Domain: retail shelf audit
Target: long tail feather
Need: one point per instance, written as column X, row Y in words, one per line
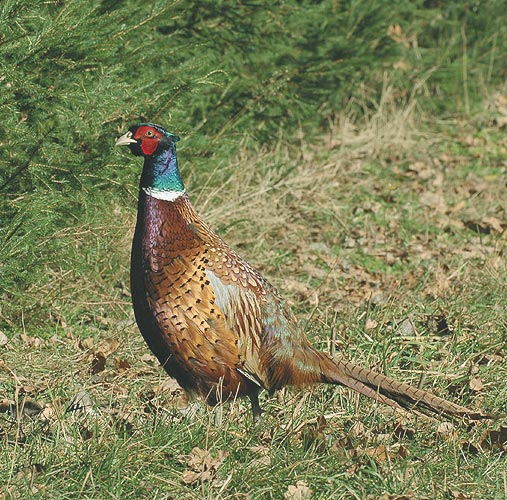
column 389, row 391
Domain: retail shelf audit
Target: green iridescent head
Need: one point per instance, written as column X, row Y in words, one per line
column 158, row 146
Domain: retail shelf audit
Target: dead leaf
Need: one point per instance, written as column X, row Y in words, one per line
column 3, row 339
column 406, row 328
column 266, row 436
column 501, row 103
column 436, row 201
column 494, row 439
column 458, row 495
column 297, row 287
column 395, row 31
column 202, row 465
column 263, row 456
column 169, row 385
column 422, row 169
column 98, row 363
column 378, row 453
column 48, row 414
column 494, row 223
column 31, row 341
column 485, row 226
column 379, row 299
column 344, row 447
column 446, row 430
column 475, row 384
column 6, row 405
column 491, row 359
column 108, row 346
column 501, row 121
column 191, row 477
column 402, row 431
column 312, row 434
column 299, row 491
column 81, row 402
column 203, row 459
column 29, row 472
column 403, row 65
column 26, row 388
column 382, row 453
column 442, row 326
column 85, row 344
column 370, row 324
column 401, row 452
column 388, row 496
column 148, row 359
column 122, row 364
column 357, row 429
column 177, row 396
column 439, row 286
column 458, row 207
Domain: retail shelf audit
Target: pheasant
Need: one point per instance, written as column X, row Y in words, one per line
column 214, row 323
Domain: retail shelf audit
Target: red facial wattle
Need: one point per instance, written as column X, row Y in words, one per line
column 149, row 139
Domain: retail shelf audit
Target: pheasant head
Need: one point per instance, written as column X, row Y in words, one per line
column 160, row 177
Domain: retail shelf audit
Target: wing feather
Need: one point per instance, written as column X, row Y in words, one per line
column 242, row 312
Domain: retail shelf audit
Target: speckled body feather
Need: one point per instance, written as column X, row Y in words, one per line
column 214, row 323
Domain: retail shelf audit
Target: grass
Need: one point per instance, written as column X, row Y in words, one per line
column 389, row 233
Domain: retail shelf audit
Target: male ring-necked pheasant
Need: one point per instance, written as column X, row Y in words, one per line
column 214, row 323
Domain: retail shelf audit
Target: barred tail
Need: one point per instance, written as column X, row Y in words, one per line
column 389, row 391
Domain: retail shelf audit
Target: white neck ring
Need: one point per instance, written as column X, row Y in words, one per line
column 163, row 194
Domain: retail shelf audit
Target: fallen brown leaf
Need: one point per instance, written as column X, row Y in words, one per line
column 85, row 344
column 388, row 496
column 458, row 495
column 447, row 430
column 478, row 226
column 3, row 339
column 402, row 431
column 475, row 384
column 494, row 439
column 30, row 471
column 357, row 429
column 30, row 341
column 422, row 169
column 202, row 465
column 81, row 402
column 312, row 434
column 378, row 453
column 169, row 391
column 48, row 414
column 169, row 385
column 435, row 201
column 440, row 285
column 406, row 328
column 370, row 324
column 122, row 364
column 6, row 405
column 382, row 453
column 263, row 456
column 98, row 363
column 299, row 491
column 148, row 359
column 108, row 346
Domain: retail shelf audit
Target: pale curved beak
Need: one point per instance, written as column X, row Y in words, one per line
column 125, row 139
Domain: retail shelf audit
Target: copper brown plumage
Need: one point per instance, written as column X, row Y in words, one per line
column 214, row 323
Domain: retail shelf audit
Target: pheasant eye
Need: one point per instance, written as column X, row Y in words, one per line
column 149, row 133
